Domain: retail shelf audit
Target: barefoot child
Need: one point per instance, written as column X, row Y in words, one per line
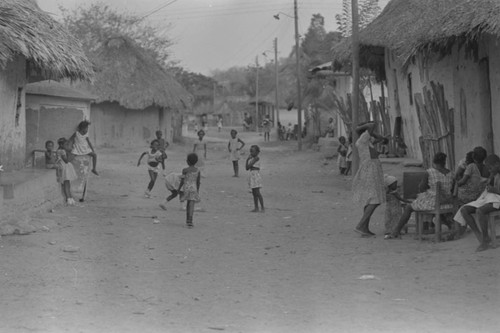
column 155, row 156
column 65, row 172
column 191, row 181
column 172, row 182
column 50, row 155
column 255, row 180
column 200, row 148
column 234, row 146
column 393, row 208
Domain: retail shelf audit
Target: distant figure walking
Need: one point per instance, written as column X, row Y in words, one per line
column 191, row 182
column 234, row 147
column 254, row 179
column 65, row 172
column 200, row 148
column 155, row 157
column 219, row 124
column 266, row 125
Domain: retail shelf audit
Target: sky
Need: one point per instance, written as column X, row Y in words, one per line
column 219, row 34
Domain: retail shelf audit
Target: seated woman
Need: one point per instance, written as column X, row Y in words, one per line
column 426, row 200
column 471, row 184
column 488, row 201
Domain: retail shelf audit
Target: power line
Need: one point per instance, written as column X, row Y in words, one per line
column 156, row 10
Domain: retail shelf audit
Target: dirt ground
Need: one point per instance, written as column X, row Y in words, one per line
column 107, row 266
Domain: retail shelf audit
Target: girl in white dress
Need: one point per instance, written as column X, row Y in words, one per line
column 65, row 172
column 200, row 148
column 234, row 146
column 254, row 179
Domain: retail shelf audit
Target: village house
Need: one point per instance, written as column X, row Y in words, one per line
column 440, row 59
column 53, row 110
column 135, row 97
column 33, row 47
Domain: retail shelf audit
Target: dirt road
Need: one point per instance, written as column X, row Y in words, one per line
column 106, row 266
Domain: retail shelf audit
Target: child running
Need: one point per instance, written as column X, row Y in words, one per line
column 255, row 180
column 155, row 156
column 172, row 182
column 234, row 146
column 191, row 181
column 341, row 159
column 65, row 172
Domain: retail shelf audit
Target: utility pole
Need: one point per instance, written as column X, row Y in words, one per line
column 257, row 93
column 355, row 83
column 299, row 100
column 276, row 102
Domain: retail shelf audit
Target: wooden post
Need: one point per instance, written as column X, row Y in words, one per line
column 355, row 83
column 299, row 100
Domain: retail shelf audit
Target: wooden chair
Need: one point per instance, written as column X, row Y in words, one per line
column 441, row 206
column 493, row 219
column 411, row 185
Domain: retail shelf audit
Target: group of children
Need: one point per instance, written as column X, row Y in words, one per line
column 186, row 185
column 60, row 159
column 476, row 188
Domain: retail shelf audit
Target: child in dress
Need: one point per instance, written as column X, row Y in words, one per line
column 191, row 181
column 155, row 156
column 50, row 155
column 393, row 208
column 341, row 159
column 255, row 180
column 172, row 182
column 234, row 146
column 488, row 202
column 462, row 165
column 200, row 148
column 81, row 145
column 65, row 172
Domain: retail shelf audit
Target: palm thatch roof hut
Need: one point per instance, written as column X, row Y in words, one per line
column 50, row 50
column 135, row 96
column 402, row 27
column 130, row 76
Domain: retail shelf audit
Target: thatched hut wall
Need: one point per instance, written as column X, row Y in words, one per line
column 116, row 126
column 12, row 114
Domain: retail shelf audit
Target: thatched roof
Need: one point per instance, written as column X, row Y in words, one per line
column 464, row 23
column 51, row 51
column 127, row 74
column 402, row 26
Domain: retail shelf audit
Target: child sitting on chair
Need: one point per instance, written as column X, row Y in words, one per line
column 394, row 207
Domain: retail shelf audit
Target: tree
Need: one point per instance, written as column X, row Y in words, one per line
column 94, row 24
column 199, row 85
column 368, row 10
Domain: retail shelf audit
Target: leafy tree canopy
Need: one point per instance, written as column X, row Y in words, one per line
column 96, row 23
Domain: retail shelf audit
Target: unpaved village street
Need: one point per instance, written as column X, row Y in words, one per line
column 108, row 266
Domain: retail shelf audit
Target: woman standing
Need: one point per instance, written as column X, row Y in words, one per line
column 368, row 183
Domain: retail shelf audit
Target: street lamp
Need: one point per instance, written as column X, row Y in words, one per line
column 299, row 99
